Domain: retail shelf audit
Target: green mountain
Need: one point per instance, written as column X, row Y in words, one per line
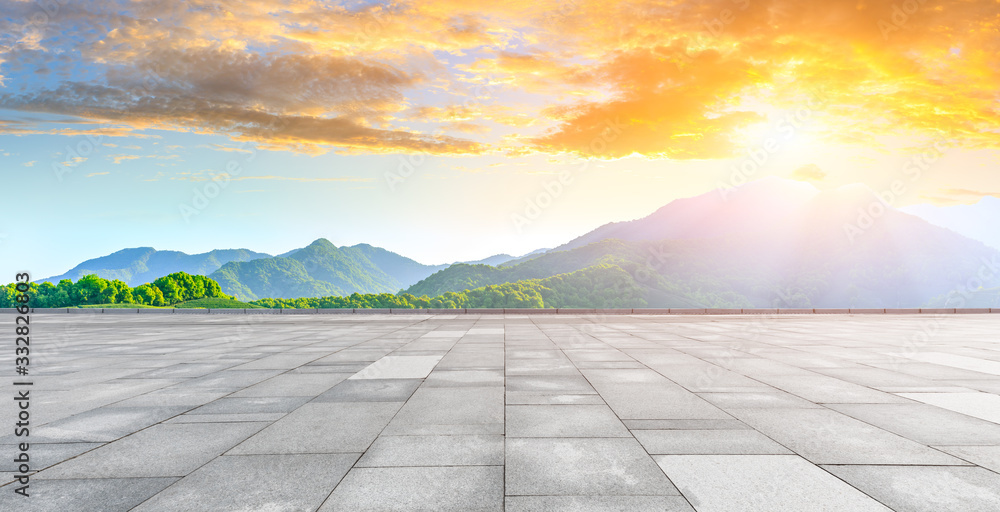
column 145, row 264
column 321, row 269
column 827, row 250
column 595, row 286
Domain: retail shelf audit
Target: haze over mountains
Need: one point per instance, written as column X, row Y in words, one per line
column 769, row 243
column 835, row 248
column 142, row 265
column 980, row 221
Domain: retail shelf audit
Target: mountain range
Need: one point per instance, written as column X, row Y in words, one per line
column 319, row 269
column 142, row 265
column 808, row 248
column 768, row 243
column 980, row 221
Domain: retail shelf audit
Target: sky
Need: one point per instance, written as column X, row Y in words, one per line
column 452, row 130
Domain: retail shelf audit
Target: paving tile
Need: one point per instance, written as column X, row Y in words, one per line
column 761, row 483
column 345, row 427
column 459, row 489
column 370, row 390
column 756, row 400
column 827, row 390
column 541, row 398
column 975, row 364
column 985, row 456
column 926, row 488
column 978, row 405
column 267, row 417
column 276, row 421
column 293, row 384
column 176, row 449
column 924, row 423
column 43, row 455
column 564, row 384
column 456, row 450
column 464, row 378
column 708, row 442
column 438, row 410
column 255, row 482
column 563, row 421
column 582, row 467
column 647, row 395
column 104, row 494
column 729, row 424
column 101, row 425
column 596, row 504
column 252, row 405
column 399, row 367
column 828, row 437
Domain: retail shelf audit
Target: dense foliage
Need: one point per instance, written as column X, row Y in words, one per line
column 92, row 289
column 321, row 269
column 597, row 286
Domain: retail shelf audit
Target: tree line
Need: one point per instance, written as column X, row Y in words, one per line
column 92, row 289
column 597, row 286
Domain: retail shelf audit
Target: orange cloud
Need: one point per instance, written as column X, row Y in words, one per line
column 676, row 79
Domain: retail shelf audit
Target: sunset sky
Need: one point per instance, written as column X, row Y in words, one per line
column 427, row 128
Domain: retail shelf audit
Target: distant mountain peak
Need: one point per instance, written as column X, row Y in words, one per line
column 322, row 242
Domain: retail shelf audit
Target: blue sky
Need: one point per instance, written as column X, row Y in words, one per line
column 116, row 114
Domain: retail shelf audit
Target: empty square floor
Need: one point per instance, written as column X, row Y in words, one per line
column 490, row 412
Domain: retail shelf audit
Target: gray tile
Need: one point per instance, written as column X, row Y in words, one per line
column 756, row 400
column 294, row 384
column 255, row 482
column 370, row 390
column 730, row 424
column 345, row 427
column 979, row 405
column 926, row 488
column 828, row 437
column 104, row 494
column 924, row 423
column 399, row 367
column 158, row 451
column 457, row 450
column 647, row 395
column 761, row 483
column 464, row 378
column 43, row 455
column 253, row 405
column 563, row 421
column 582, row 467
column 268, row 417
column 596, row 504
column 459, row 489
column 539, row 398
column 438, row 410
column 103, row 424
column 985, row 456
column 708, row 442
column 827, row 390
column 561, row 384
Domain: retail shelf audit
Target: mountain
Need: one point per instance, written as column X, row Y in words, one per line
column 520, row 259
column 319, row 269
column 145, row 264
column 495, row 260
column 270, row 277
column 834, row 248
column 977, row 221
column 764, row 202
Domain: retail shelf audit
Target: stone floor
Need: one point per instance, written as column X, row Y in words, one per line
column 523, row 413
